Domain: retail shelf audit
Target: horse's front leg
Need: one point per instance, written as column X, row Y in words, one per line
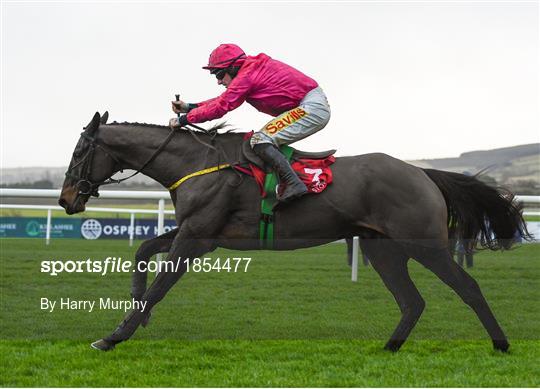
column 182, row 248
column 159, row 244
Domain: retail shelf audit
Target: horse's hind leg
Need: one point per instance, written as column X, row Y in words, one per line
column 390, row 262
column 440, row 262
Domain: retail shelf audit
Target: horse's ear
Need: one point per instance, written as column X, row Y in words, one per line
column 94, row 124
column 104, row 118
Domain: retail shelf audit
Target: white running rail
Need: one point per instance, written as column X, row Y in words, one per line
column 161, row 196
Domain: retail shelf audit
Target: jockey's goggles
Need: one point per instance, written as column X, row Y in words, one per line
column 220, row 73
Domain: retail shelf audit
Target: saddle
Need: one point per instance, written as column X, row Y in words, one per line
column 248, row 155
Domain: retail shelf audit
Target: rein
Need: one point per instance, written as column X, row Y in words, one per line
column 85, row 186
column 219, row 167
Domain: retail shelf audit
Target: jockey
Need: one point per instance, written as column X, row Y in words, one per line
column 296, row 101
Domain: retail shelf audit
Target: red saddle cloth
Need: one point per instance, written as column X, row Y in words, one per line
column 315, row 173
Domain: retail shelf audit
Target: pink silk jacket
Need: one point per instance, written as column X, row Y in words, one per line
column 268, row 85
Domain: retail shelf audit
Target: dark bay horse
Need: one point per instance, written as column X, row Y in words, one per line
column 399, row 211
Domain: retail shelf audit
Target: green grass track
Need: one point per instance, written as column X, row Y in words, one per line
column 286, row 363
column 294, row 319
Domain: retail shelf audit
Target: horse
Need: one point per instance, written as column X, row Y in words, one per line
column 398, row 211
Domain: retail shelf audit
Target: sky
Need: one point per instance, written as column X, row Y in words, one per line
column 411, row 79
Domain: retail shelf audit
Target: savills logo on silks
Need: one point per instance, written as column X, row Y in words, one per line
column 285, row 120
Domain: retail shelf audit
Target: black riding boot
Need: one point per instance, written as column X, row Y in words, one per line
column 271, row 155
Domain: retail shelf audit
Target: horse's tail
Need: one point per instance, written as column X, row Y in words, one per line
column 479, row 212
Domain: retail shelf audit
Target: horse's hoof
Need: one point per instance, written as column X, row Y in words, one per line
column 501, row 345
column 393, row 345
column 102, row 345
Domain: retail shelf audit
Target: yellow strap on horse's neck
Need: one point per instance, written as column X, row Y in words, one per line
column 199, row 173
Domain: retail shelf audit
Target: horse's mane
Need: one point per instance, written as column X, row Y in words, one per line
column 136, row 124
column 214, row 128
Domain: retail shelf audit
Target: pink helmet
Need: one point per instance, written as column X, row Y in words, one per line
column 224, row 56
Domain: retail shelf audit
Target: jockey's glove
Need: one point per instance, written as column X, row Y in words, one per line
column 182, row 107
column 178, row 121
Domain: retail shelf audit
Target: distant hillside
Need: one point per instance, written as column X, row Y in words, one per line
column 509, row 166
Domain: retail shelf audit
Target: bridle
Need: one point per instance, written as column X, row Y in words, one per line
column 85, row 186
